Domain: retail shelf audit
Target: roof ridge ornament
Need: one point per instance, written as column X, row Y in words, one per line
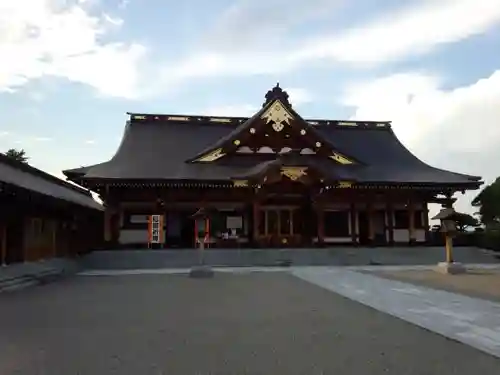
column 277, row 93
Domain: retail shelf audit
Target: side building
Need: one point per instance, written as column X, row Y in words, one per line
column 42, row 216
column 270, row 180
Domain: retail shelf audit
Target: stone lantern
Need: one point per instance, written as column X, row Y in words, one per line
column 447, row 217
column 201, row 237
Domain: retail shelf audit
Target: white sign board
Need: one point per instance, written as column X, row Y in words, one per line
column 234, row 222
column 155, row 229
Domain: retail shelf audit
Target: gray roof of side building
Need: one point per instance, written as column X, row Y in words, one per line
column 158, row 150
column 25, row 176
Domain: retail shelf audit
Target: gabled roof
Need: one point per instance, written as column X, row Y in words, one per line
column 159, row 147
column 276, row 116
column 25, row 176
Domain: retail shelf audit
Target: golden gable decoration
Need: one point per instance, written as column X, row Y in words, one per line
column 340, row 158
column 293, row 173
column 214, row 155
column 278, row 114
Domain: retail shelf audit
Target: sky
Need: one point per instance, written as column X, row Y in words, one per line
column 71, row 69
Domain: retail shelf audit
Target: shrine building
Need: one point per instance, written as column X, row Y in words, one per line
column 272, row 180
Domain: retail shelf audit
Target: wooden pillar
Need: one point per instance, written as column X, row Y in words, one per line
column 353, row 220
column 371, row 224
column 425, row 213
column 26, row 245
column 411, row 217
column 320, row 214
column 108, row 215
column 111, row 225
column 256, row 219
column 53, row 225
column 390, row 222
column 3, row 243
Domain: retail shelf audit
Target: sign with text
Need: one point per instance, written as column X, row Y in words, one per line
column 155, row 229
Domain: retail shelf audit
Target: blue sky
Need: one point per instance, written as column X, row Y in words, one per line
column 71, row 69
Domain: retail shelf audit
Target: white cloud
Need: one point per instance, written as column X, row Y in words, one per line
column 451, row 129
column 400, row 96
column 410, row 31
column 4, row 134
column 36, row 96
column 123, row 4
column 90, row 142
column 261, row 25
column 232, row 50
column 63, row 39
column 42, row 139
column 112, row 20
column 298, row 96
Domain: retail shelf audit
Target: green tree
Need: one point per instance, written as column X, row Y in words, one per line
column 19, row 155
column 488, row 202
column 464, row 221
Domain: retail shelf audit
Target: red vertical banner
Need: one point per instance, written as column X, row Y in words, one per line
column 162, row 230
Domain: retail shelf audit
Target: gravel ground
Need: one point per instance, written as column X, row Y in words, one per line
column 477, row 283
column 234, row 324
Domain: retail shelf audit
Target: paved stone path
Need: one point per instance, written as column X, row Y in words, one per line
column 469, row 320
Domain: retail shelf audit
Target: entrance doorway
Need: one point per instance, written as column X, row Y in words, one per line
column 280, row 226
column 363, row 227
column 186, row 230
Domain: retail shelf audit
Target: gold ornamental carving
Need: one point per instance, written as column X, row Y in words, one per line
column 340, row 158
column 293, row 173
column 212, row 156
column 278, row 114
column 345, row 184
column 240, row 183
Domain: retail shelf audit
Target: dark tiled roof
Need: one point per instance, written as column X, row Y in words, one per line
column 30, row 178
column 159, row 150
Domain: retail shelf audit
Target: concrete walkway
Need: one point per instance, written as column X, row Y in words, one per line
column 22, row 275
column 170, row 271
column 335, row 256
column 469, row 320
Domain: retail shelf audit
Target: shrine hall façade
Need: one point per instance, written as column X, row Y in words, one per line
column 271, row 180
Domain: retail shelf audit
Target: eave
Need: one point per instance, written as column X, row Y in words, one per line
column 241, row 181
